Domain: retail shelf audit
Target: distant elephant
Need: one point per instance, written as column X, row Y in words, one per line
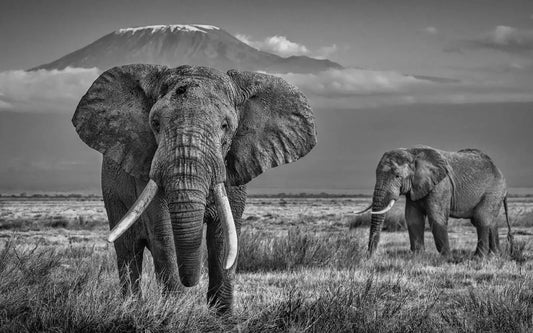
column 186, row 135
column 438, row 184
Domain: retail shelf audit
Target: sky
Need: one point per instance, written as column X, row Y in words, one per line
column 476, row 52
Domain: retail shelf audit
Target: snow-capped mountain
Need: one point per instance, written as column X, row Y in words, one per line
column 175, row 45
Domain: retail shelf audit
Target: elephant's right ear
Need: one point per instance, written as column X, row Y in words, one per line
column 430, row 169
column 112, row 117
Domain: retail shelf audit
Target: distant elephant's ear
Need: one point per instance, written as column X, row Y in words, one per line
column 430, row 169
column 276, row 126
column 112, row 117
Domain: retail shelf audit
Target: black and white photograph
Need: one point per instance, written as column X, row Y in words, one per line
column 266, row 166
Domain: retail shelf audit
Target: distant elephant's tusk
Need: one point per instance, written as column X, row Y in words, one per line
column 386, row 209
column 364, row 210
column 228, row 224
column 134, row 212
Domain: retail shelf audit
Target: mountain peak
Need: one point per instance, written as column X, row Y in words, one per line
column 203, row 28
column 179, row 44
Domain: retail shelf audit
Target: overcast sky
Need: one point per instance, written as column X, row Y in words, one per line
column 417, row 36
column 484, row 46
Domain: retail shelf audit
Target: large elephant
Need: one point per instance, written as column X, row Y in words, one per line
column 439, row 184
column 174, row 140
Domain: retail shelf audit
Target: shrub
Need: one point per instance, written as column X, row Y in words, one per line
column 394, row 221
column 261, row 251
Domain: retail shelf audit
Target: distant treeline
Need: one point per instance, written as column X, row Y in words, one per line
column 74, row 196
column 310, row 195
column 44, row 196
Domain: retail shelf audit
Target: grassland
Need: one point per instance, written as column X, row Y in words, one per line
column 302, row 267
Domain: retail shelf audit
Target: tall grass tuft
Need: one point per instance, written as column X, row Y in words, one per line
column 260, row 251
column 394, row 221
column 38, row 293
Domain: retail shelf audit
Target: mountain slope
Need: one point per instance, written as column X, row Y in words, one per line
column 175, row 45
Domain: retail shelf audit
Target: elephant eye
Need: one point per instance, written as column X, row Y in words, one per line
column 163, row 91
column 155, row 125
column 180, row 90
column 224, row 126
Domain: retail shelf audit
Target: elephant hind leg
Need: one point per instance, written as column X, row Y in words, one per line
column 494, row 239
column 439, row 228
column 483, row 234
column 485, row 221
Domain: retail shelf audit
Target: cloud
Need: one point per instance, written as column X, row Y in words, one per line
column 503, row 38
column 358, row 88
column 431, row 30
column 44, row 91
column 353, row 82
column 282, row 46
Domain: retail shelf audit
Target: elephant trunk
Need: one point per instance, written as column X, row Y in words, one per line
column 378, row 203
column 187, row 180
column 187, row 207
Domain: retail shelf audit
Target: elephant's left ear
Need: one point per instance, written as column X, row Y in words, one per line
column 430, row 169
column 276, row 126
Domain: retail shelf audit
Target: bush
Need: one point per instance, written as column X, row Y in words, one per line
column 260, row 251
column 394, row 221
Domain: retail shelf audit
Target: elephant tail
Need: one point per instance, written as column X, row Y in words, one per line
column 509, row 232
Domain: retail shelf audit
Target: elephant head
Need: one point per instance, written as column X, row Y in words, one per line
column 412, row 172
column 188, row 131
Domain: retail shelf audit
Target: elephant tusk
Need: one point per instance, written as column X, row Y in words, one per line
column 228, row 225
column 134, row 212
column 364, row 210
column 386, row 209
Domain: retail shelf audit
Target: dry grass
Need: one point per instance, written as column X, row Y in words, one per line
column 303, row 270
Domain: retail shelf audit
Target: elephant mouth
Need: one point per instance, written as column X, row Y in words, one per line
column 223, row 208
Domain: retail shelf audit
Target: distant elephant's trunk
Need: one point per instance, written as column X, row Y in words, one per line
column 377, row 219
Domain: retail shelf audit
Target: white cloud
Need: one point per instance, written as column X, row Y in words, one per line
column 326, row 51
column 353, row 82
column 431, row 30
column 358, row 88
column 44, row 91
column 505, row 38
column 282, row 46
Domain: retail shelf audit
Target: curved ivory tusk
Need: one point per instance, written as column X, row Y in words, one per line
column 134, row 212
column 386, row 209
column 364, row 210
column 228, row 225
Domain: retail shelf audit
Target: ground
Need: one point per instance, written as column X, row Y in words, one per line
column 301, row 268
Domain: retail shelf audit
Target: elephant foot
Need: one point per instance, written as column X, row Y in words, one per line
column 418, row 249
column 480, row 254
column 221, row 308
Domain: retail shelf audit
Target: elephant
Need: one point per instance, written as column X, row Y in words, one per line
column 439, row 184
column 179, row 146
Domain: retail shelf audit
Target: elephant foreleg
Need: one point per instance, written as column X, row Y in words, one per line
column 415, row 220
column 161, row 244
column 129, row 247
column 130, row 261
column 220, row 291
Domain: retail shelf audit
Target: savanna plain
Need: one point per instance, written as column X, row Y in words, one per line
column 302, row 266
